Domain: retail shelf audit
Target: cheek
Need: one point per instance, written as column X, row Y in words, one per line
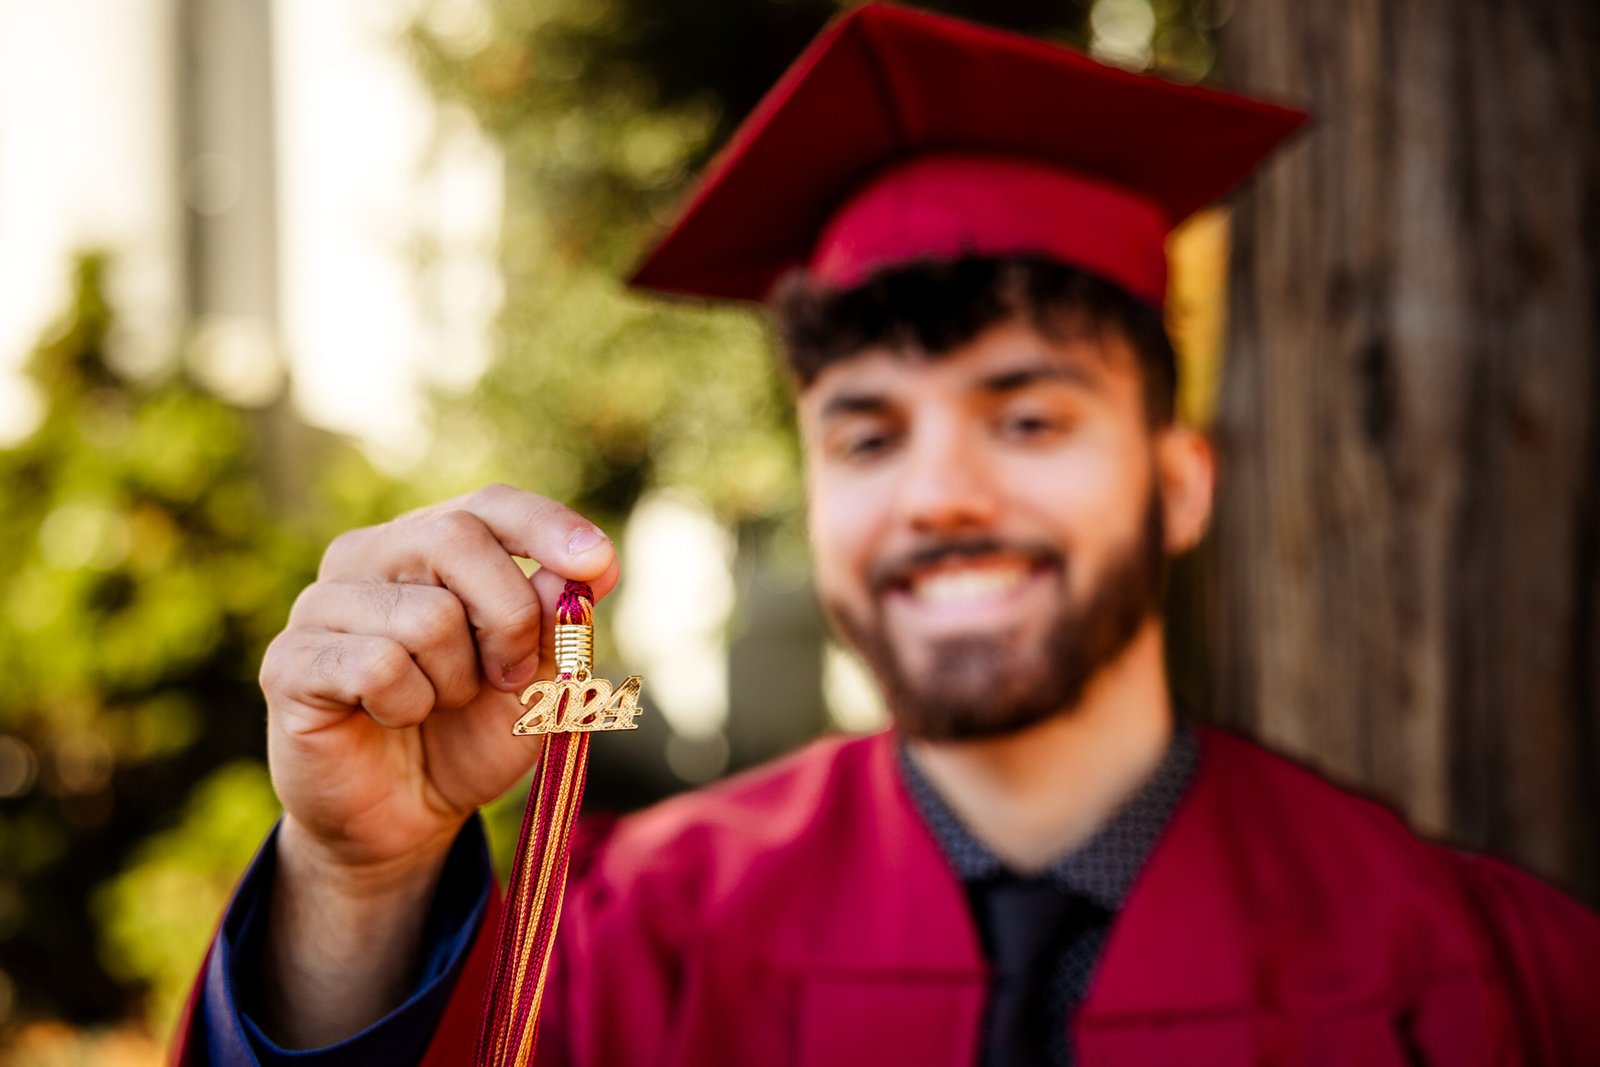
column 1091, row 494
column 1088, row 476
column 842, row 519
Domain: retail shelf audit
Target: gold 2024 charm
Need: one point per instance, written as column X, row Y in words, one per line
column 568, row 706
column 576, row 702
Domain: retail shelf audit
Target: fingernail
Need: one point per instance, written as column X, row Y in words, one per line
column 584, row 540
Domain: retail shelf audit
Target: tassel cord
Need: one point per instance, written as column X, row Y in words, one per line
column 538, row 883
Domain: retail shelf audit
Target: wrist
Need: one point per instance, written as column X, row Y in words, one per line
column 332, row 870
column 344, row 936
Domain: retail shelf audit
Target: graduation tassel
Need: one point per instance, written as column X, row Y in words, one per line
column 567, row 710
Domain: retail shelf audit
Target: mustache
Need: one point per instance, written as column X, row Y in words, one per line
column 897, row 570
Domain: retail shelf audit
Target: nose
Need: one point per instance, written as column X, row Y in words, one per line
column 946, row 485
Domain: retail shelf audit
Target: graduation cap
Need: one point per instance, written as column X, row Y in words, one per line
column 899, row 135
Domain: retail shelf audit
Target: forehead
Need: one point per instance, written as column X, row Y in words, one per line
column 1093, row 360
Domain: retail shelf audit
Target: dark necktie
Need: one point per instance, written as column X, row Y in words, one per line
column 1024, row 923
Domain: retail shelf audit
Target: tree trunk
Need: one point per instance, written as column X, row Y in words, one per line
column 1407, row 550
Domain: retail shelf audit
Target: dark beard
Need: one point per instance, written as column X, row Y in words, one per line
column 989, row 687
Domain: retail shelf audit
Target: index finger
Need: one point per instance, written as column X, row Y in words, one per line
column 466, row 545
column 538, row 528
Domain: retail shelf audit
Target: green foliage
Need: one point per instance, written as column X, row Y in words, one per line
column 147, row 566
column 598, row 394
column 148, row 913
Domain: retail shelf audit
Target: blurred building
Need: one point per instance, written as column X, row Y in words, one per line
column 276, row 188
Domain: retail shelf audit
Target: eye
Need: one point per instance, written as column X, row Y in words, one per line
column 866, row 444
column 1032, row 425
column 860, row 441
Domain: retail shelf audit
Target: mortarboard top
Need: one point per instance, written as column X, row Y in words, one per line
column 899, row 135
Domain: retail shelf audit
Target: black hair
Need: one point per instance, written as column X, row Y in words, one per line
column 931, row 307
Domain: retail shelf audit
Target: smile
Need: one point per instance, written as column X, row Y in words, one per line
column 968, row 584
column 967, row 594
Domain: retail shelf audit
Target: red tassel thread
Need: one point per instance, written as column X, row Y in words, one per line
column 538, row 882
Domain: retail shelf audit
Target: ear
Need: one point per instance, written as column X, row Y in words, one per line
column 1186, row 473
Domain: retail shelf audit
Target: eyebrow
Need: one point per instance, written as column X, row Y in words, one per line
column 1008, row 381
column 855, row 404
column 1013, row 380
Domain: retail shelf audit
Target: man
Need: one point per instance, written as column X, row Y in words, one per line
column 1040, row 863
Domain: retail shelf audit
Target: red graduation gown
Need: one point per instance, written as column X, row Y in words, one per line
column 802, row 915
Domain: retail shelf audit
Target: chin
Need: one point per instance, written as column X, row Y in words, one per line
column 974, row 688
column 955, row 686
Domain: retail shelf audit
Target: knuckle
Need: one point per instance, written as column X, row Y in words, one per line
column 459, row 684
column 542, row 511
column 531, row 508
column 274, row 669
column 437, row 619
column 455, row 526
column 415, row 706
column 384, row 668
column 304, row 605
column 521, row 615
column 328, row 661
column 383, row 598
column 344, row 550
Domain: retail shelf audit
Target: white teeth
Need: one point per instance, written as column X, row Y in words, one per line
column 966, row 585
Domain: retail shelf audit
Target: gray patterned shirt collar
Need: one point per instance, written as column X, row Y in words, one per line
column 1104, row 867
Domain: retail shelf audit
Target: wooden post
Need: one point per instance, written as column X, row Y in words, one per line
column 1407, row 553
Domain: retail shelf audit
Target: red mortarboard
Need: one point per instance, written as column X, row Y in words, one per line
column 899, row 135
